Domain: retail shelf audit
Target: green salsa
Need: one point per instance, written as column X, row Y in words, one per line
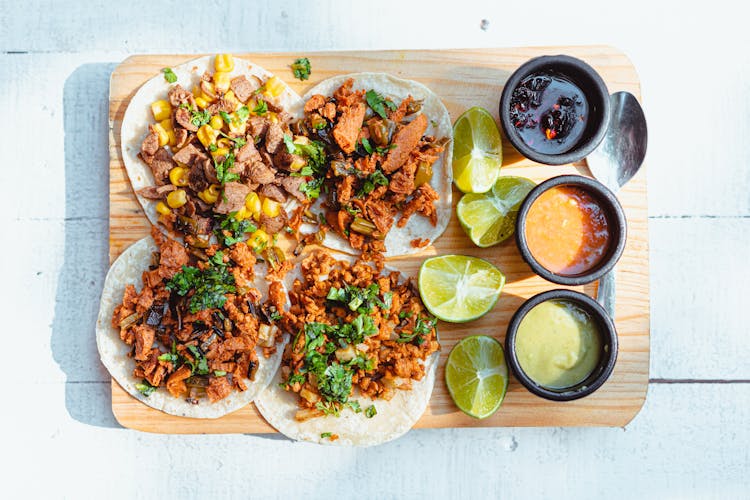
column 558, row 344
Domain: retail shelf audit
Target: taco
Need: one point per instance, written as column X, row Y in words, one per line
column 188, row 332
column 209, row 148
column 361, row 367
column 388, row 141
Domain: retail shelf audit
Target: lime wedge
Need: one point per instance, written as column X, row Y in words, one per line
column 490, row 218
column 458, row 288
column 477, row 151
column 477, row 376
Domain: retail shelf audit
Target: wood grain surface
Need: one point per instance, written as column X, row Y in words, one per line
column 462, row 78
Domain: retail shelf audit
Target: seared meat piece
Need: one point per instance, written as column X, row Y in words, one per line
column 405, row 140
column 189, row 154
column 144, row 340
column 423, row 203
column 161, row 165
column 197, row 178
column 248, row 153
column 274, row 137
column 178, row 96
column 257, row 126
column 315, row 103
column 259, row 173
column 291, row 185
column 283, row 159
column 274, row 192
column 209, row 170
column 182, row 137
column 182, row 117
column 156, row 192
column 243, row 88
column 380, row 215
column 272, row 224
column 220, row 105
column 232, row 199
column 346, row 130
column 218, row 388
column 150, row 144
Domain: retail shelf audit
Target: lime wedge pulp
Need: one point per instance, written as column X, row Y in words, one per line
column 477, row 151
column 459, row 288
column 477, row 375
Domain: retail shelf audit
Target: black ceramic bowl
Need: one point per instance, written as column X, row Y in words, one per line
column 594, row 90
column 616, row 225
column 607, row 355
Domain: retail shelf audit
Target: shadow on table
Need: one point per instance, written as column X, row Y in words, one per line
column 85, row 120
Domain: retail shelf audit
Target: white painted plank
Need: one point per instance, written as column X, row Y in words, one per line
column 688, row 442
column 699, row 277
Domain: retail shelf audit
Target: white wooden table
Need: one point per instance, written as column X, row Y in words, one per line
column 59, row 438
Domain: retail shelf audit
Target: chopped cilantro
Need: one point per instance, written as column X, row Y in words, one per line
column 208, row 285
column 320, row 125
column 405, row 314
column 360, row 299
column 422, row 327
column 301, row 68
column 312, row 188
column 231, row 230
column 261, row 108
column 169, row 75
column 169, row 357
column 378, row 103
column 294, row 378
column 145, row 388
column 336, row 383
column 225, row 116
column 371, row 411
column 328, row 408
column 366, row 145
column 243, row 113
column 324, row 435
column 276, row 316
column 220, row 373
column 223, row 170
column 354, row 405
column 199, row 118
column 377, row 178
column 212, row 147
column 200, row 364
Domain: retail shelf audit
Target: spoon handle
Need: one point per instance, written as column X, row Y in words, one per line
column 605, row 294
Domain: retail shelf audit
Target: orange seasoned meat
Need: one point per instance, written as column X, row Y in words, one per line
column 405, row 140
column 347, row 128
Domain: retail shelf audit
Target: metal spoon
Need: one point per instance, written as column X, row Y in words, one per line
column 615, row 161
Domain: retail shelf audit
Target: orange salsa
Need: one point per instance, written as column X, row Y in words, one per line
column 566, row 230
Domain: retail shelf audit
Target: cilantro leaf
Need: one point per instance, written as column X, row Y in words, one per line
column 354, row 405
column 243, row 113
column 199, row 118
column 336, row 383
column 422, row 327
column 366, row 145
column 225, row 116
column 169, row 75
column 324, row 435
column 231, row 230
column 312, row 188
column 223, row 170
column 301, row 68
column 209, row 285
column 377, row 178
column 371, row 411
column 378, row 103
column 261, row 108
column 200, row 365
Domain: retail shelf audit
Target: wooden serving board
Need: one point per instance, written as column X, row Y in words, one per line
column 462, row 78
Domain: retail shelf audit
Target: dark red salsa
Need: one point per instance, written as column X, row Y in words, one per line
column 549, row 113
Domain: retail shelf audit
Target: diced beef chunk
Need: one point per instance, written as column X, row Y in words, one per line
column 197, row 178
column 182, row 117
column 291, row 185
column 209, row 170
column 189, row 154
column 272, row 224
column 274, row 137
column 346, row 130
column 161, row 165
column 178, row 96
column 405, row 140
column 283, row 159
column 274, row 192
column 248, row 153
column 220, row 105
column 257, row 126
column 380, row 215
column 259, row 173
column 144, row 339
column 243, row 88
column 150, row 144
column 233, row 198
column 156, row 192
column 182, row 136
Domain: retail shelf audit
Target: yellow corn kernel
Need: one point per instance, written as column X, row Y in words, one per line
column 177, row 198
column 216, row 122
column 172, row 137
column 179, row 176
column 252, row 202
column 221, row 81
column 161, row 109
column 207, row 135
column 297, row 163
column 274, row 87
column 273, row 117
column 208, row 92
column 232, row 99
column 196, row 91
column 258, row 240
column 163, row 135
column 236, row 126
column 270, row 207
column 220, row 152
column 242, row 214
column 201, row 102
column 162, row 208
column 224, row 62
column 210, row 195
column 167, row 124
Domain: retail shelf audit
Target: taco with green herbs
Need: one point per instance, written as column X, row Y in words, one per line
column 361, row 366
column 193, row 333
